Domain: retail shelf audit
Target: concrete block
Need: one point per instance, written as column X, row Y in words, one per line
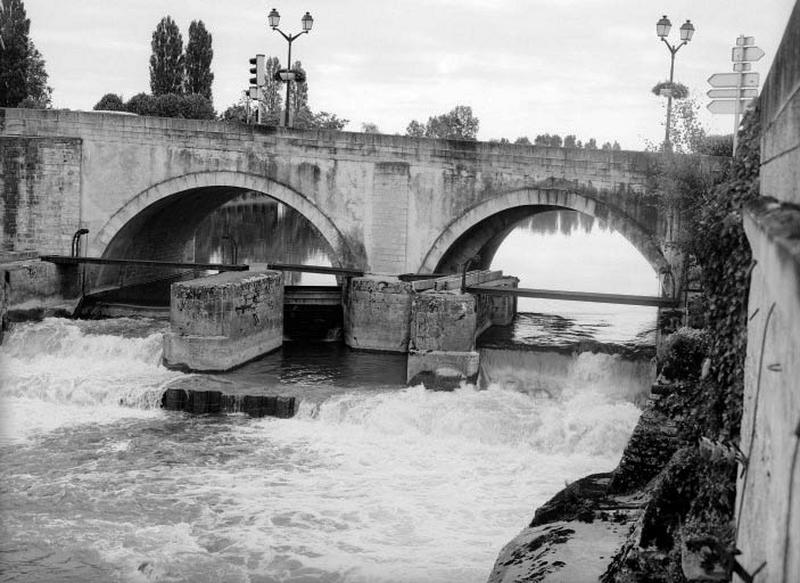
column 218, row 402
column 442, row 322
column 223, row 321
column 442, row 370
column 377, row 312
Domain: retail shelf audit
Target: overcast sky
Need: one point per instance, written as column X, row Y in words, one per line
column 524, row 66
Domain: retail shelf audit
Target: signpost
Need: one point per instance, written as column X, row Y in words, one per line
column 732, row 93
column 735, row 90
column 734, row 79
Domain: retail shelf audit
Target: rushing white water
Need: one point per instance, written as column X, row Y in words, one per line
column 366, row 484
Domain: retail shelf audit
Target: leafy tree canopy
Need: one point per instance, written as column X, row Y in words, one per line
column 23, row 79
column 166, row 60
column 110, row 102
column 457, row 124
column 198, row 60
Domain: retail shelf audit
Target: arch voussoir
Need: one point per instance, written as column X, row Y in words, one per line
column 545, row 197
column 230, row 179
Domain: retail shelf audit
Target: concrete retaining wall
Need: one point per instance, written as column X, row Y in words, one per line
column 223, row 321
column 768, row 492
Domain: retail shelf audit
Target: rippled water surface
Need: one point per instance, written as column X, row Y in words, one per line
column 371, row 481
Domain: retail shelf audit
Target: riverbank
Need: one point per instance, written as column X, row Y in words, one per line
column 661, row 515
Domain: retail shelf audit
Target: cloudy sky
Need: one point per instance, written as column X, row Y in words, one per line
column 524, row 66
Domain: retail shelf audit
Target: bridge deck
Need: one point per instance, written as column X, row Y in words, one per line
column 573, row 296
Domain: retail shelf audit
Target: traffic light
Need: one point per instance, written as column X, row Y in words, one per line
column 259, row 70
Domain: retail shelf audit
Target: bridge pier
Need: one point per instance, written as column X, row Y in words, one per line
column 429, row 319
column 223, row 321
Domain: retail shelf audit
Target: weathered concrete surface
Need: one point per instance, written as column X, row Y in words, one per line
column 376, row 314
column 571, row 538
column 33, row 289
column 225, row 320
column 768, row 492
column 385, row 204
column 442, row 339
column 445, row 321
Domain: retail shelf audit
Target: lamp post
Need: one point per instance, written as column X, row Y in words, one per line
column 662, row 30
column 274, row 19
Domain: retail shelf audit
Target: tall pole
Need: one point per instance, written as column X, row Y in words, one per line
column 288, row 81
column 274, row 19
column 667, row 144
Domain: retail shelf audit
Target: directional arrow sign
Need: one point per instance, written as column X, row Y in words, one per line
column 731, row 93
column 727, row 105
column 739, row 54
column 732, row 79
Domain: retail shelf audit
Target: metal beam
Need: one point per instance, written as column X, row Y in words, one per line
column 573, row 296
column 66, row 260
column 315, row 269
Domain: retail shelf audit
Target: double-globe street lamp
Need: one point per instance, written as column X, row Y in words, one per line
column 662, row 30
column 287, row 75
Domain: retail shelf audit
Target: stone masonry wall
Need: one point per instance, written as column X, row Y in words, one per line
column 768, row 491
column 40, row 180
column 382, row 201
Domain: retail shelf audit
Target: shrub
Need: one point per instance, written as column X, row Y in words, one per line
column 110, row 102
column 196, row 106
column 142, row 104
column 681, row 354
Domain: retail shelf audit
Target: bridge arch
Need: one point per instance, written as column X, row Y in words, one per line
column 226, row 185
column 482, row 227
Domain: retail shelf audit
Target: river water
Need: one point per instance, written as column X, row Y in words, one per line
column 370, row 481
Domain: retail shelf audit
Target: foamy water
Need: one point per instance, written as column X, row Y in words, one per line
column 368, row 484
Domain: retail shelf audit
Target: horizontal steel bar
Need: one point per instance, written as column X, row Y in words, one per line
column 315, row 269
column 573, row 296
column 67, row 260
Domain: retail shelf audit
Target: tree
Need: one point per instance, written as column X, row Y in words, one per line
column 110, row 102
column 554, row 141
column 327, row 121
column 198, row 60
column 522, row 141
column 22, row 73
column 591, row 144
column 142, row 104
column 272, row 92
column 166, row 61
column 39, row 93
column 239, row 111
column 298, row 97
column 686, row 134
column 571, row 141
column 415, row 129
column 457, row 124
column 370, row 128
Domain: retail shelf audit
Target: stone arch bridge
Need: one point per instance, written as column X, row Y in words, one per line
column 385, row 204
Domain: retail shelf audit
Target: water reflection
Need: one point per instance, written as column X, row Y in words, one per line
column 259, row 229
column 569, row 250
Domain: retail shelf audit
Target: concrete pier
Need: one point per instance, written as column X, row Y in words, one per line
column 377, row 312
column 429, row 319
column 223, row 321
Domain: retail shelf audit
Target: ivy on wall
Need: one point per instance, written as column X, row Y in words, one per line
column 718, row 243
